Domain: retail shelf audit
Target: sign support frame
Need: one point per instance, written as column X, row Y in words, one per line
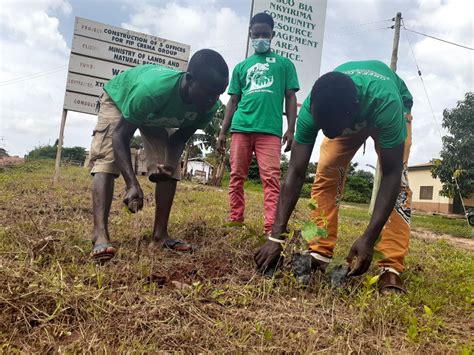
column 59, row 148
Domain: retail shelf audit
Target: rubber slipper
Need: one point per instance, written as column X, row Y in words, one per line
column 103, row 252
column 177, row 245
column 390, row 282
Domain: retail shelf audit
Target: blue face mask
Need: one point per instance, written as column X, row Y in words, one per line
column 261, row 45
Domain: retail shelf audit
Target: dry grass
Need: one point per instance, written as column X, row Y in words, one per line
column 53, row 299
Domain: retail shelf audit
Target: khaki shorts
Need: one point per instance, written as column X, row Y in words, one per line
column 155, row 142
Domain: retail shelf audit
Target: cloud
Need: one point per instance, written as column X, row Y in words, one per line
column 29, row 23
column 447, row 71
column 201, row 24
column 30, row 44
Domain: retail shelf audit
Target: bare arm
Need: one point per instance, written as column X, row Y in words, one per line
column 360, row 255
column 270, row 253
column 121, row 143
column 291, row 188
column 178, row 141
column 391, row 161
column 290, row 109
column 229, row 114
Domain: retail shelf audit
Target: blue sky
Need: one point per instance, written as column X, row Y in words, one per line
column 35, row 38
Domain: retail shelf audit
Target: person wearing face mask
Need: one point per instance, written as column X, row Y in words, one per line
column 259, row 86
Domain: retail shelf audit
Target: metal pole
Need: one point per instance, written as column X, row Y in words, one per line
column 248, row 31
column 393, row 66
column 59, row 148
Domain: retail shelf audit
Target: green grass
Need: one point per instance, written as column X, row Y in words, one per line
column 52, row 299
column 435, row 223
column 249, row 185
column 444, row 225
column 438, row 224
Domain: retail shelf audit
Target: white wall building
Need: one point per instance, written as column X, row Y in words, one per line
column 426, row 190
column 199, row 169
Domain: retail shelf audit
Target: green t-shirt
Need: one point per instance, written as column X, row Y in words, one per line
column 383, row 100
column 261, row 80
column 148, row 95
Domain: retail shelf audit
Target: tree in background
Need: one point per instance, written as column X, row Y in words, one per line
column 359, row 183
column 200, row 142
column 217, row 159
column 457, row 154
column 357, row 189
column 136, row 142
column 254, row 173
column 77, row 154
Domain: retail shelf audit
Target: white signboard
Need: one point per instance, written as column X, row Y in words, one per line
column 120, row 54
column 299, row 31
column 99, row 52
column 80, row 102
column 95, row 67
column 82, row 83
column 134, row 40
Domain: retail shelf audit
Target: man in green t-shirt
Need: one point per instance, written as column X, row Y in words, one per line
column 258, row 87
column 167, row 106
column 355, row 101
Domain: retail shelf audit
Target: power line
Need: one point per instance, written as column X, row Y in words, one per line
column 364, row 24
column 355, row 33
column 431, row 108
column 423, row 83
column 32, row 76
column 439, row 39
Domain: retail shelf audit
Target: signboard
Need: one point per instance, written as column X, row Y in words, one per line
column 80, row 83
column 131, row 39
column 95, row 67
column 99, row 52
column 299, row 31
column 80, row 102
column 120, row 54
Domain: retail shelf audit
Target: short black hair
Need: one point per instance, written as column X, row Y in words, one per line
column 262, row 17
column 332, row 95
column 206, row 60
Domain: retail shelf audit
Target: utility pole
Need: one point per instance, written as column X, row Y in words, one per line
column 393, row 66
column 396, row 40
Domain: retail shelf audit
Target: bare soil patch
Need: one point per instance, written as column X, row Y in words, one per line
column 425, row 234
column 6, row 162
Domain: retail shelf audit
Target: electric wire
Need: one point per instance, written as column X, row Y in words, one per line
column 423, row 84
column 439, row 39
column 363, row 24
column 433, row 114
column 357, row 32
column 32, row 76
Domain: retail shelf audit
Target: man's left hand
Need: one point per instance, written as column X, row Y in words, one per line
column 288, row 139
column 360, row 256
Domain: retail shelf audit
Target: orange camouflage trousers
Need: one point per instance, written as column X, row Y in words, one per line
column 327, row 189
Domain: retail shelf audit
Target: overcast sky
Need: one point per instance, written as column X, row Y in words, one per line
column 35, row 40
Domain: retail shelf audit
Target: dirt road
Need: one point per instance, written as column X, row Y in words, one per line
column 425, row 234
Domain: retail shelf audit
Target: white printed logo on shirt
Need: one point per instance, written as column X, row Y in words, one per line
column 258, row 77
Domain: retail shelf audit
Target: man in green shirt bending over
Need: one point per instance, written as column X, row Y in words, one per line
column 167, row 106
column 355, row 101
